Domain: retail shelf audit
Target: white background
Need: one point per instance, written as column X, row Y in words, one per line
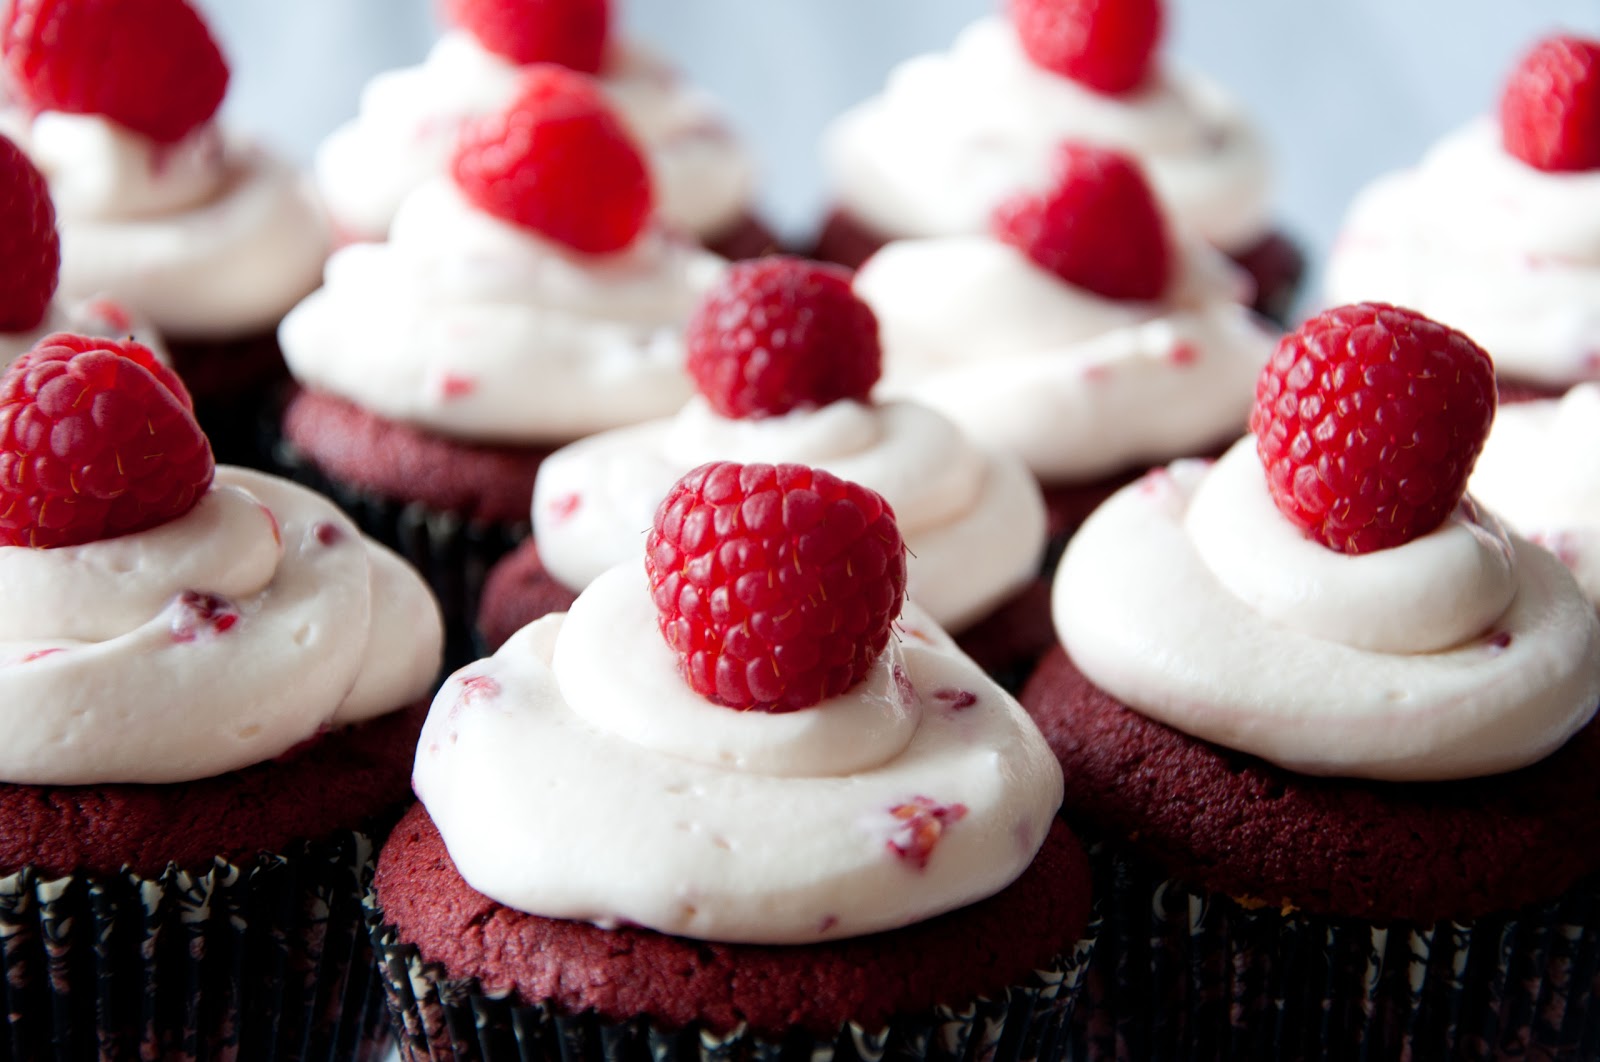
column 1345, row 89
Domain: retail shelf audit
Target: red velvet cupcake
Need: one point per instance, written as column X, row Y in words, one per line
column 529, row 299
column 813, row 850
column 221, row 680
column 954, row 134
column 784, row 356
column 1334, row 725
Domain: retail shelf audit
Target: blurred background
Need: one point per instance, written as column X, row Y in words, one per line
column 1343, row 90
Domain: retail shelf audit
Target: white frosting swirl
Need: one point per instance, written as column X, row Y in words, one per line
column 406, row 132
column 209, row 237
column 1148, row 619
column 1540, row 469
column 212, row 642
column 621, row 796
column 954, row 134
column 973, row 521
column 474, row 328
column 102, row 317
column 1080, row 386
column 1478, row 239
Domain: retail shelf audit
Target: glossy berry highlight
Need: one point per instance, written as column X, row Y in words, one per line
column 1108, row 46
column 1368, row 420
column 776, row 585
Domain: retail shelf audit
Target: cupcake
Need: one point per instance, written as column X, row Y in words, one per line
column 208, row 235
column 222, row 682
column 1540, row 474
column 783, row 356
column 1081, row 332
column 1334, row 726
column 955, row 134
column 1497, row 230
column 528, row 299
column 409, row 120
column 29, row 308
column 828, row 838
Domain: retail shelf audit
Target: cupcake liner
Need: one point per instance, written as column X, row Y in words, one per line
column 451, row 554
column 268, row 960
column 1182, row 973
column 444, row 1020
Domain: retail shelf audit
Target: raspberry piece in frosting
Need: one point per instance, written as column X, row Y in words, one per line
column 148, row 65
column 1104, row 45
column 97, row 439
column 30, row 250
column 1368, row 420
column 775, row 585
column 1550, row 110
column 1096, row 226
column 569, row 32
column 558, row 161
column 779, row 334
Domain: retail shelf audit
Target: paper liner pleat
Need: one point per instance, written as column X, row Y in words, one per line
column 439, row 1019
column 266, row 960
column 1179, row 973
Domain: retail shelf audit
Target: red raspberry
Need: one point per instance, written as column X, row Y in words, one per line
column 779, row 334
column 1550, row 112
column 558, row 161
column 1098, row 226
column 97, row 439
column 1104, row 45
column 775, row 585
column 149, row 65
column 569, row 32
column 30, row 250
column 1368, row 420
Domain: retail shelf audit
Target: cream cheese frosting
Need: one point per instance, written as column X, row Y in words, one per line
column 1540, row 470
column 473, row 328
column 973, row 521
column 405, row 133
column 1465, row 652
column 621, row 796
column 1079, row 385
column 1475, row 237
column 953, row 134
column 210, row 237
column 211, row 642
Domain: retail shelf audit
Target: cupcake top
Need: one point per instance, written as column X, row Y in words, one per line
column 169, row 621
column 953, row 134
column 523, row 299
column 1539, row 473
column 409, row 118
column 783, row 355
column 796, row 773
column 1497, row 229
column 1323, row 597
column 1084, row 347
column 208, row 235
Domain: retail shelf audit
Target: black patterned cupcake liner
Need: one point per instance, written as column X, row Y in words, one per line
column 452, row 555
column 438, row 1019
column 1180, row 973
column 269, row 960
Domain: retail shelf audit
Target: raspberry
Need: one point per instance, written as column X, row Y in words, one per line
column 1104, row 45
column 558, row 161
column 30, row 250
column 779, row 334
column 1368, row 420
column 97, row 439
column 569, row 32
column 775, row 585
column 1098, row 226
column 1550, row 112
column 149, row 65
